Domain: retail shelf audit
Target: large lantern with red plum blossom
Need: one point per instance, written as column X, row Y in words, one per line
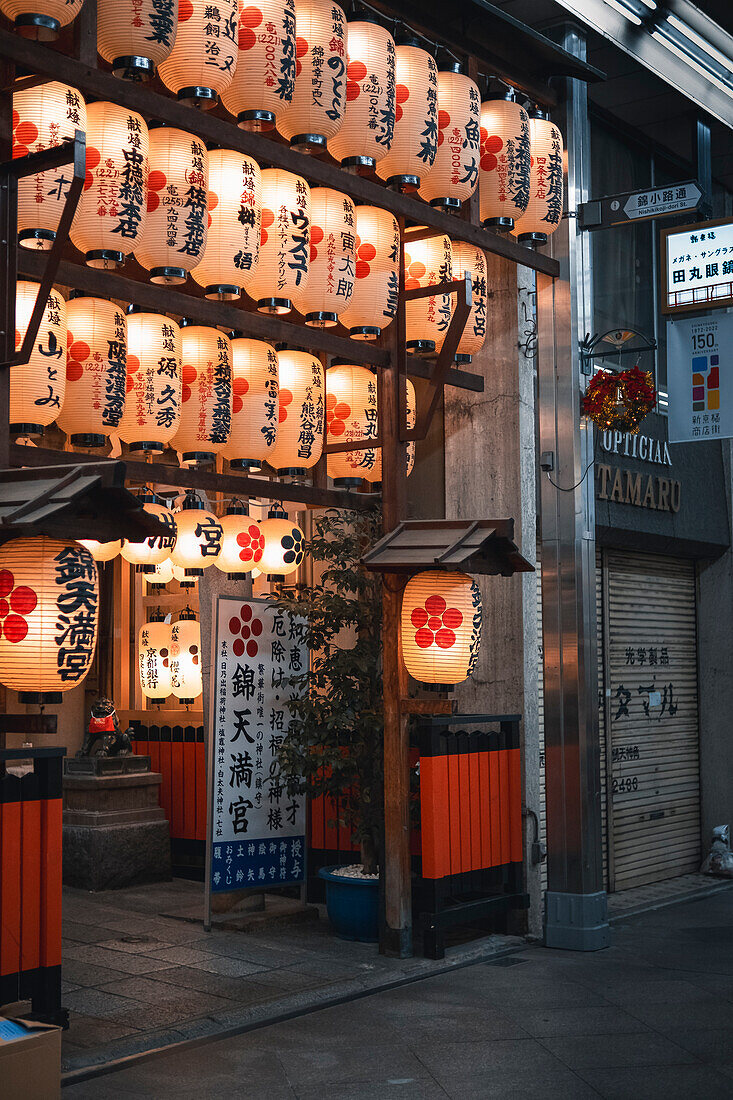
column 441, row 627
column 242, row 543
column 454, row 175
column 504, row 164
column 264, row 77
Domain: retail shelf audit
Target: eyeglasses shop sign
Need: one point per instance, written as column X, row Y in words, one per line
column 621, row 485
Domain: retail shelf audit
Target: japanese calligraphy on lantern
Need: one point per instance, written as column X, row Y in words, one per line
column 697, row 263
column 258, row 826
column 700, row 388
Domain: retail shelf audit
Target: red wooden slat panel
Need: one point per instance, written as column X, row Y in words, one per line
column 51, row 882
column 465, row 811
column 454, row 815
column 164, row 767
column 515, row 805
column 485, row 809
column 189, row 790
column 436, row 852
column 474, row 791
column 317, row 829
column 504, row 816
column 177, row 790
column 30, row 885
column 200, row 763
column 495, row 809
column 10, row 865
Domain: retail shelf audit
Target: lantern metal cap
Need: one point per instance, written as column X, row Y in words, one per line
column 450, row 65
column 462, row 358
column 22, row 429
column 257, row 122
column 503, row 224
column 147, row 496
column 535, row 111
column 245, row 464
column 365, row 332
column 420, row 347
column 147, row 446
column 237, row 508
column 236, row 334
column 222, row 292
column 73, row 294
column 197, row 96
column 344, row 361
column 188, row 615
column 505, row 93
column 198, row 458
column 40, row 698
column 347, row 482
column 41, row 28
column 168, row 276
column 157, row 124
column 405, row 184
column 366, row 16
column 292, row 471
column 192, row 502
column 447, row 203
column 157, row 616
column 104, row 259
column 360, row 166
column 308, row 143
column 87, row 439
column 276, row 511
column 133, row 67
column 407, row 37
column 133, row 308
column 532, row 239
column 321, row 319
column 185, row 322
column 39, row 240
column 278, row 306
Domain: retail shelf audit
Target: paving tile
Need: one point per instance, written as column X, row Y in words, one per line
column 660, row 1083
column 184, row 1010
column 335, row 1062
column 657, row 992
column 88, row 1031
column 397, row 1087
column 645, row 1049
column 707, row 1044
column 519, row 1083
column 589, row 1020
column 94, row 1002
column 135, row 944
column 117, row 960
column 243, row 990
column 76, row 932
column 86, row 974
column 443, row 1059
column 710, row 1012
column 151, row 992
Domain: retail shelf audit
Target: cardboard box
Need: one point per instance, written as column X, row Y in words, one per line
column 30, row 1060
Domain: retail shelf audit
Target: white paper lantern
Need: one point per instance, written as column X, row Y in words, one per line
column 204, row 56
column 154, row 659
column 441, row 627
column 242, row 543
column 373, row 302
column 40, row 20
column 454, row 175
column 428, row 263
column 316, row 109
column 134, row 36
column 351, row 414
column 469, row 260
column 301, row 399
column 153, row 403
column 544, row 209
column 234, row 215
column 96, row 374
column 255, row 409
column 282, row 273
column 206, row 407
column 186, row 682
column 505, row 162
column 154, row 549
column 331, row 272
column 264, row 77
column 283, row 551
column 367, row 129
column 415, row 142
column 37, row 387
column 198, row 537
column 102, row 551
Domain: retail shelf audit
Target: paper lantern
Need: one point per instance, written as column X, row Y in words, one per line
column 454, row 175
column 332, row 265
column 134, row 36
column 153, row 404
column 283, row 550
column 441, row 627
column 101, row 551
column 186, row 683
column 40, row 20
column 282, row 272
column 427, row 263
column 467, row 259
column 374, row 474
column 415, row 143
column 242, row 543
column 544, row 209
column 264, row 77
column 96, row 356
column 49, row 606
column 234, row 216
column 300, row 430
column 351, row 414
column 154, row 659
column 373, row 302
column 367, row 129
column 316, row 109
column 160, row 575
column 201, row 64
column 37, row 387
column 174, row 237
column 504, row 164
column 155, row 548
column 198, row 539
column 206, row 402
column 44, row 117
column 255, row 409
column 179, row 575
column 110, row 217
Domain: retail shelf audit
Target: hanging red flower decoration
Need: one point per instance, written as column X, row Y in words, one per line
column 620, row 401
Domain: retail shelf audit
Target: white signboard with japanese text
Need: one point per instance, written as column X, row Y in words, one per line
column 698, row 267
column 257, row 828
column 700, row 378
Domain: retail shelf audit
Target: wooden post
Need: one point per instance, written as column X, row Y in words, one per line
column 396, row 936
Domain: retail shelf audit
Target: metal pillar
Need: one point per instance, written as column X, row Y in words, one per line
column 575, row 903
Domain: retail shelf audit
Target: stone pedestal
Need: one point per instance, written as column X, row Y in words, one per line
column 115, row 833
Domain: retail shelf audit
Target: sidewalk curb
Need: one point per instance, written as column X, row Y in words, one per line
column 677, row 899
column 209, row 1029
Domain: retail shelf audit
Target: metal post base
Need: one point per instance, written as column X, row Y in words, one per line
column 576, row 922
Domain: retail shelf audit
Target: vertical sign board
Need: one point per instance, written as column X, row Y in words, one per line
column 257, row 829
column 700, row 378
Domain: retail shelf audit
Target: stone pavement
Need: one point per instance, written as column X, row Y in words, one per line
column 135, row 980
column 650, row 1017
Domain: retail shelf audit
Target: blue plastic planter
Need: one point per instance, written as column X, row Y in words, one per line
column 353, row 906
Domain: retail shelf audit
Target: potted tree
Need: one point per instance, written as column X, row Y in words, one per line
column 333, row 746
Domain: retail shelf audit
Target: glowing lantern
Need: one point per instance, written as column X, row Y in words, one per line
column 544, row 210
column 373, row 302
column 43, row 117
column 234, row 216
column 415, row 141
column 96, row 354
column 199, row 537
column 154, row 659
column 40, row 20
column 242, row 544
column 254, row 404
column 374, row 473
column 284, row 242
column 454, row 175
column 179, row 575
column 467, row 259
column 427, row 263
column 441, row 627
column 367, row 129
column 110, row 217
column 201, row 64
column 101, row 551
column 504, row 164
column 300, row 431
column 264, row 76
column 37, row 387
column 186, row 683
column 206, row 405
column 317, row 106
column 331, row 272
column 136, row 35
column 155, row 548
column 283, row 551
column 153, row 405
column 49, row 607
column 351, row 414
column 174, row 237
column 161, row 574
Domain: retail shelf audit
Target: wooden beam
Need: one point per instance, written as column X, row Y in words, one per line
column 96, row 84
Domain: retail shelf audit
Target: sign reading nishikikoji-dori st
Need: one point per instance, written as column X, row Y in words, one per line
column 700, row 378
column 257, row 827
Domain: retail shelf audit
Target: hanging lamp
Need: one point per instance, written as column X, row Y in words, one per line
column 440, row 627
column 264, row 76
column 255, row 410
column 316, row 109
column 373, row 302
column 505, row 161
column 415, row 142
column 96, row 370
column 234, row 205
column 199, row 537
column 201, row 65
column 367, row 129
column 455, row 172
column 206, row 403
column 301, row 420
column 37, row 388
column 153, row 403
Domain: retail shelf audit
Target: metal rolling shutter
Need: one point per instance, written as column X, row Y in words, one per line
column 652, row 714
column 601, row 716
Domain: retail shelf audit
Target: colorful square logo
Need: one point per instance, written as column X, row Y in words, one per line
column 705, row 383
